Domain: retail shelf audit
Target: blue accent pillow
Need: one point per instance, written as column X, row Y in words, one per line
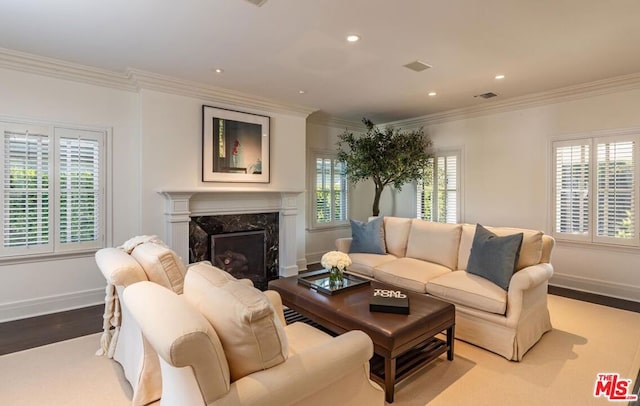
column 368, row 237
column 494, row 258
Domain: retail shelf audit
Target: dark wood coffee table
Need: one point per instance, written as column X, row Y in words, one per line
column 402, row 343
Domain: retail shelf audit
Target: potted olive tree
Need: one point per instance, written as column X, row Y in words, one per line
column 387, row 156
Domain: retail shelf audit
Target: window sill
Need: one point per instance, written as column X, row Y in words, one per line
column 26, row 259
column 598, row 246
column 329, row 227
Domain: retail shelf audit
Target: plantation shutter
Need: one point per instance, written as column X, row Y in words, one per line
column 448, row 189
column 26, row 190
column 79, row 194
column 323, row 190
column 572, row 178
column 438, row 190
column 340, row 199
column 425, row 192
column 614, row 191
column 331, row 190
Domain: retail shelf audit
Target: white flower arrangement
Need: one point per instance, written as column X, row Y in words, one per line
column 336, row 259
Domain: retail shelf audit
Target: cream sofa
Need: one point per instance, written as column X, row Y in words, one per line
column 432, row 258
column 225, row 343
column 141, row 258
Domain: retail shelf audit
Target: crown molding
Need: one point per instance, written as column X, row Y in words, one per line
column 576, row 92
column 167, row 84
column 41, row 65
column 134, row 80
column 335, row 122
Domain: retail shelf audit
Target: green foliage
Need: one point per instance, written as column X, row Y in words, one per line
column 386, row 156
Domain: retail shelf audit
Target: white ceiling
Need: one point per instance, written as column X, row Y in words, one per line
column 285, row 46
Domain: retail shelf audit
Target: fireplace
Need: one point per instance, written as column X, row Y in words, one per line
column 245, row 245
column 242, row 254
column 184, row 206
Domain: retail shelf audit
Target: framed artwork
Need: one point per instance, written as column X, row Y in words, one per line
column 235, row 146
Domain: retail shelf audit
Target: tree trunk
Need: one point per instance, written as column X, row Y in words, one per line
column 376, row 201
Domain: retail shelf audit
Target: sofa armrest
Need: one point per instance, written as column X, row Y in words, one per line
column 343, row 244
column 531, row 276
column 323, row 368
column 180, row 335
column 527, row 289
column 118, row 267
column 276, row 302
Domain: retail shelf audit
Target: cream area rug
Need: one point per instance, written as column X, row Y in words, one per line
column 561, row 369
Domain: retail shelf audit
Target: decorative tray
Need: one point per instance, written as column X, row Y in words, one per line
column 319, row 281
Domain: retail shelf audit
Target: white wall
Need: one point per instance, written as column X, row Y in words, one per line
column 320, row 137
column 156, row 144
column 171, row 139
column 42, row 287
column 506, row 177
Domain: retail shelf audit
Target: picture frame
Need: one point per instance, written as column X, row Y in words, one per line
column 235, row 146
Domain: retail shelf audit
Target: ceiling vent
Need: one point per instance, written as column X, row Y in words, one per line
column 487, row 95
column 417, row 66
column 257, row 2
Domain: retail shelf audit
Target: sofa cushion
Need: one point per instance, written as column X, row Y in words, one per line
column 409, row 273
column 364, row 263
column 252, row 335
column 396, row 235
column 530, row 252
column 460, row 287
column 368, row 237
column 434, row 242
column 493, row 257
column 161, row 264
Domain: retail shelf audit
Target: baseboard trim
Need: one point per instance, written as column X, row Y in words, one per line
column 50, row 304
column 314, row 257
column 302, row 264
column 596, row 286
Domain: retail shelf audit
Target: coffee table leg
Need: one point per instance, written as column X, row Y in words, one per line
column 389, row 378
column 450, row 341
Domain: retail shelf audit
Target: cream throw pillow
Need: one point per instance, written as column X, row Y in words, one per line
column 161, row 264
column 434, row 242
column 252, row 335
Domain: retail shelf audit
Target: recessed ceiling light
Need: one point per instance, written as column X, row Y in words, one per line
column 499, row 77
column 432, row 93
column 353, row 38
column 218, row 70
column 302, row 91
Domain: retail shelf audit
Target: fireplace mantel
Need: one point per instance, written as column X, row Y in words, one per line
column 182, row 203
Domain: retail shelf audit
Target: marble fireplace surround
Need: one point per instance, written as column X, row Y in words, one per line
column 182, row 204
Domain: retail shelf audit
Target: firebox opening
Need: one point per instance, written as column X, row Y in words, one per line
column 242, row 254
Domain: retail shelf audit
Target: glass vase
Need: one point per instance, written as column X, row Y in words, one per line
column 335, row 277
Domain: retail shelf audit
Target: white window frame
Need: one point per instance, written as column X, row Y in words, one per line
column 313, row 224
column 592, row 140
column 54, row 247
column 444, row 153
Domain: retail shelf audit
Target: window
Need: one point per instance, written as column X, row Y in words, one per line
column 438, row 192
column 52, row 197
column 330, row 203
column 595, row 189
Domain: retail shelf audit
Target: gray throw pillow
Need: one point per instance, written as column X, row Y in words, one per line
column 494, row 258
column 368, row 237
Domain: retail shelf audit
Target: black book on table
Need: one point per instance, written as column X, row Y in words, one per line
column 389, row 304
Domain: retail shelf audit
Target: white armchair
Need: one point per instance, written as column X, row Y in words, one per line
column 142, row 258
column 195, row 357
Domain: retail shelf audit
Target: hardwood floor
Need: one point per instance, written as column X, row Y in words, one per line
column 23, row 334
